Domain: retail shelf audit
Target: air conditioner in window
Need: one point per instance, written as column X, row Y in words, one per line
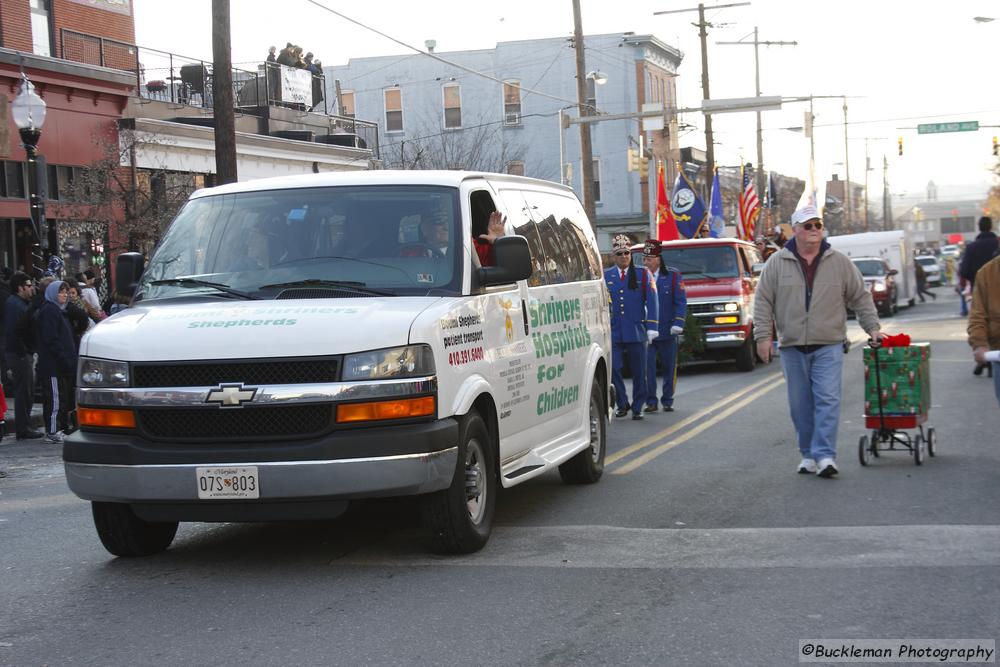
column 512, row 118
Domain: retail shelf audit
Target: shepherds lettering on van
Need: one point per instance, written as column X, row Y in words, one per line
column 466, row 355
column 226, row 324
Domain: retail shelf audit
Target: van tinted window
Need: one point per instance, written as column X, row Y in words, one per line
column 571, row 257
column 517, row 216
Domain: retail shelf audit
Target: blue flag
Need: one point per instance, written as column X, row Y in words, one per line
column 687, row 206
column 717, row 219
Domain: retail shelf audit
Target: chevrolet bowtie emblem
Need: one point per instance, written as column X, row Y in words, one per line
column 231, row 395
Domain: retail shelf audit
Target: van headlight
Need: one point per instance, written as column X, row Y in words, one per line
column 392, row 363
column 879, row 287
column 726, row 307
column 103, row 373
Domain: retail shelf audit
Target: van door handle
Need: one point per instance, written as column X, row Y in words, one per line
column 524, row 312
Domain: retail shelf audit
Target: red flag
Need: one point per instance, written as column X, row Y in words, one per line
column 666, row 226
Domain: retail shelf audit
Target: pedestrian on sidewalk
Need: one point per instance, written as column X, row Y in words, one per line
column 672, row 307
column 632, row 300
column 56, row 360
column 984, row 319
column 977, row 253
column 922, row 282
column 20, row 351
column 805, row 290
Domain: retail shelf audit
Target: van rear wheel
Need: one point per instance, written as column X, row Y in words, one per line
column 124, row 534
column 460, row 517
column 587, row 466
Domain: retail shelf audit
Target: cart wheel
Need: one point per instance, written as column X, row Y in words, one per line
column 863, row 450
column 875, row 440
column 918, row 449
column 931, row 441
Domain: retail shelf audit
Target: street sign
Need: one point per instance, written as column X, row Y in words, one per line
column 935, row 128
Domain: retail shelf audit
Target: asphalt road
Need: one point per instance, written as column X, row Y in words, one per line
column 699, row 546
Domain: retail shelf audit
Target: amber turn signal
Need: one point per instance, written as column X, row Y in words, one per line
column 378, row 410
column 726, row 320
column 104, row 418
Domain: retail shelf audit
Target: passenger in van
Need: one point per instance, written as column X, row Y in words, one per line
column 634, row 311
column 484, row 242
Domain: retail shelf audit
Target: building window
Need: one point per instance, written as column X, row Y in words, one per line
column 512, row 103
column 597, row 180
column 591, row 97
column 393, row 110
column 452, row 106
column 347, row 103
column 12, row 181
column 515, row 168
column 40, row 28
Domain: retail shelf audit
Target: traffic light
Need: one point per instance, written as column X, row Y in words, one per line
column 643, row 166
column 633, row 159
column 996, row 147
column 901, row 145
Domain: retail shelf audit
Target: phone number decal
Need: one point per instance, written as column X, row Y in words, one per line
column 460, row 357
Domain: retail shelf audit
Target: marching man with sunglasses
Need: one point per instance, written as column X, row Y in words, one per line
column 805, row 291
column 634, row 307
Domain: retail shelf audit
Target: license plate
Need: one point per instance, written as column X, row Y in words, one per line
column 227, row 483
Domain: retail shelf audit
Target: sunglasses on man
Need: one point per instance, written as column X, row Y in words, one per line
column 619, row 253
column 809, row 226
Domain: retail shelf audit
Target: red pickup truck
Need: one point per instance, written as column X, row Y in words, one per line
column 720, row 276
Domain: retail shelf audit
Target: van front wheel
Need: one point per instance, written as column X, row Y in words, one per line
column 460, row 517
column 124, row 534
column 746, row 355
column 588, row 466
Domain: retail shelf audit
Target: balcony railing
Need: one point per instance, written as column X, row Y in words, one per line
column 169, row 77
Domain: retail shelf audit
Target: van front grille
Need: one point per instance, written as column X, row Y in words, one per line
column 317, row 370
column 243, row 424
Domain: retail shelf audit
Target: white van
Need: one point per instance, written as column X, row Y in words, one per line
column 296, row 343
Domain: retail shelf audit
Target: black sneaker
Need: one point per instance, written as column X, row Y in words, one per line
column 637, row 416
column 30, row 435
column 622, row 412
column 978, row 370
column 650, row 408
column 668, row 408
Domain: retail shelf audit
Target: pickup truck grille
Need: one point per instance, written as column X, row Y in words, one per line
column 316, row 370
column 244, row 424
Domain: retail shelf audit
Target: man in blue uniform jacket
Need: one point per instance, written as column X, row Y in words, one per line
column 633, row 324
column 672, row 310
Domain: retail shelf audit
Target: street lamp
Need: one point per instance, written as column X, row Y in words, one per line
column 28, row 111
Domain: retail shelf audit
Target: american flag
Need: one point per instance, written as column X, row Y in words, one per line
column 749, row 208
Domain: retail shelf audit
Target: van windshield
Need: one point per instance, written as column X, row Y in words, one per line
column 386, row 239
column 870, row 267
column 704, row 262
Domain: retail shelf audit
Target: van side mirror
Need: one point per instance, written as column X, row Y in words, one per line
column 893, row 272
column 757, row 268
column 513, row 262
column 128, row 270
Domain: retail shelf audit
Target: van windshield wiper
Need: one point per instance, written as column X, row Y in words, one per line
column 318, row 282
column 194, row 282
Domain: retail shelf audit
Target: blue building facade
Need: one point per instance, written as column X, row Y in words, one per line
column 435, row 115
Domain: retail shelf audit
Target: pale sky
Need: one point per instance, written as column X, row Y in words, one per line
column 903, row 62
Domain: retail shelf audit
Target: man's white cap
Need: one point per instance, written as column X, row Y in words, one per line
column 805, row 214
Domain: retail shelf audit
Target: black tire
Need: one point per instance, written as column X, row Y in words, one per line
column 863, row 450
column 746, row 356
column 586, row 467
column 460, row 517
column 124, row 534
column 918, row 449
column 931, row 441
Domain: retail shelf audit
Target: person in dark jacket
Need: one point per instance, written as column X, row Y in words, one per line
column 56, row 360
column 5, row 276
column 19, row 353
column 976, row 255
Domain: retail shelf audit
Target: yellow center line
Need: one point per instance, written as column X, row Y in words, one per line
column 653, row 453
column 631, row 449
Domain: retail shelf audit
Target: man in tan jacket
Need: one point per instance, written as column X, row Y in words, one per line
column 984, row 319
column 805, row 291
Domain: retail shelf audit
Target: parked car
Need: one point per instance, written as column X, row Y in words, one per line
column 880, row 279
column 932, row 269
column 952, row 250
column 720, row 277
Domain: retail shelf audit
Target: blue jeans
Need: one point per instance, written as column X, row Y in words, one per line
column 996, row 378
column 813, row 380
column 637, row 364
column 666, row 347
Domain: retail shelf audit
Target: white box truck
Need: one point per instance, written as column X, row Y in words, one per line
column 894, row 247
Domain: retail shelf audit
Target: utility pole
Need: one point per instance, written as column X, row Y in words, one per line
column 586, row 149
column 702, row 26
column 847, row 174
column 760, row 132
column 886, row 202
column 867, row 169
column 222, row 94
